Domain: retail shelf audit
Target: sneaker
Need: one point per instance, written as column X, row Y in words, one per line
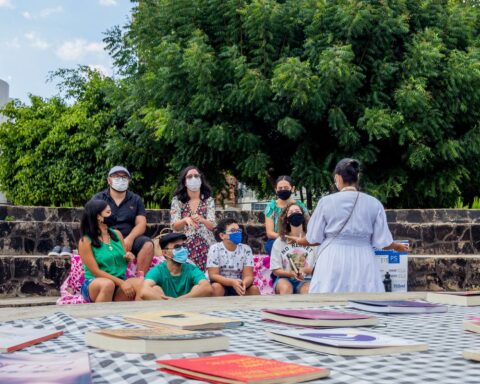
column 55, row 251
column 66, row 251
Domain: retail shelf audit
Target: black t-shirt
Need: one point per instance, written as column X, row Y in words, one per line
column 126, row 213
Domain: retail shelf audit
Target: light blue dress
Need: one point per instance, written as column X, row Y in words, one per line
column 347, row 263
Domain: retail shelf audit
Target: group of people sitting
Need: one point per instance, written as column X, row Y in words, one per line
column 333, row 252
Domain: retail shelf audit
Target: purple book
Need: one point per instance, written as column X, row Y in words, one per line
column 317, row 317
column 396, row 306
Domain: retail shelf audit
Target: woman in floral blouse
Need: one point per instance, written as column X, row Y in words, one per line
column 193, row 212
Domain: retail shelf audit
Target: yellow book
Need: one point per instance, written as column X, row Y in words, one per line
column 183, row 320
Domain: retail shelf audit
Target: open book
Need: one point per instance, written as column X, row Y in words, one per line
column 396, row 306
column 346, row 342
column 158, row 340
column 71, row 368
column 13, row 338
column 183, row 320
column 318, row 318
column 465, row 298
column 233, row 368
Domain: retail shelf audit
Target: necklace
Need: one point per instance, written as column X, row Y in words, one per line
column 109, row 243
column 349, row 189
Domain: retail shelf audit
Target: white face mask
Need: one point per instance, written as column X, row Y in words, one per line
column 194, row 184
column 120, row 184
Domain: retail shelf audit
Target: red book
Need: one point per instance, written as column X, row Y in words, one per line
column 318, row 318
column 12, row 338
column 240, row 369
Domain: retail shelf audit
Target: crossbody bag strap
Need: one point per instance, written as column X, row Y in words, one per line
column 339, row 231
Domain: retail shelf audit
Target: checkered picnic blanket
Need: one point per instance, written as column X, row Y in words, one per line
column 442, row 363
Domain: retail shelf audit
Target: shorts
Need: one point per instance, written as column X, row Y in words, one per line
column 296, row 284
column 138, row 243
column 86, row 285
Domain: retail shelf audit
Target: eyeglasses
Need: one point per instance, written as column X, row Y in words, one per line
column 177, row 246
column 233, row 231
column 196, row 176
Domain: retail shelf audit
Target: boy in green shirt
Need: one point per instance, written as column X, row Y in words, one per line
column 175, row 278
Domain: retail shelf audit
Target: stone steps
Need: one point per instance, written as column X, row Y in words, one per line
column 41, row 275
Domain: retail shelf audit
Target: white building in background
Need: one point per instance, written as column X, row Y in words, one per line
column 4, row 99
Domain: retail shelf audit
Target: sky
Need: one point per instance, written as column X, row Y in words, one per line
column 40, row 36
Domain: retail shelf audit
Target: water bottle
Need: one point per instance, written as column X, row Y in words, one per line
column 387, row 282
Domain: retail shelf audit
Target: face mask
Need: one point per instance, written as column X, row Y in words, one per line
column 110, row 221
column 284, row 194
column 296, row 219
column 194, row 184
column 120, row 184
column 235, row 237
column 180, row 255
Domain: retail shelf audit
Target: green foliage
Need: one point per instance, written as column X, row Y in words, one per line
column 258, row 88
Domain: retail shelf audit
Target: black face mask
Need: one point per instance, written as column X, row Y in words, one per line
column 296, row 219
column 110, row 221
column 284, row 194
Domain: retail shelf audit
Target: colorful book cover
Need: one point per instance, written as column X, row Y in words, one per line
column 316, row 314
column 13, row 338
column 21, row 368
column 241, row 368
column 297, row 258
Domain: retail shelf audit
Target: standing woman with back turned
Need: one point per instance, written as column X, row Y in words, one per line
column 193, row 212
column 348, row 225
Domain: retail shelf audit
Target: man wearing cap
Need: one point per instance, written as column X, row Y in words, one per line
column 128, row 216
column 175, row 278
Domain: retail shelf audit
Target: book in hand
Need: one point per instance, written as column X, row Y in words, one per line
column 297, row 258
column 13, row 338
column 396, row 306
column 234, row 368
column 158, row 340
column 465, row 298
column 183, row 320
column 472, row 355
column 346, row 342
column 318, row 318
column 472, row 326
column 19, row 368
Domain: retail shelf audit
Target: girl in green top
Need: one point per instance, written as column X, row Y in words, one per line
column 284, row 189
column 104, row 259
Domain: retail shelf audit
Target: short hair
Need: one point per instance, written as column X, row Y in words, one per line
column 222, row 227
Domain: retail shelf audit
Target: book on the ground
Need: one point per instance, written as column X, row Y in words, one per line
column 21, row 368
column 297, row 257
column 318, row 318
column 158, row 340
column 13, row 338
column 183, row 320
column 472, row 326
column 345, row 341
column 234, row 368
column 472, row 355
column 396, row 306
column 465, row 298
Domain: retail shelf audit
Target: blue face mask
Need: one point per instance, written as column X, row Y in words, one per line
column 180, row 255
column 235, row 237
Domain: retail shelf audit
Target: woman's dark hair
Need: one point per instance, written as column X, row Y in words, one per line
column 89, row 224
column 287, row 178
column 349, row 169
column 181, row 191
column 222, row 227
column 284, row 227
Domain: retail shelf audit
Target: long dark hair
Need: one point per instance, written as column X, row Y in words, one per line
column 89, row 224
column 181, row 191
column 287, row 178
column 284, row 227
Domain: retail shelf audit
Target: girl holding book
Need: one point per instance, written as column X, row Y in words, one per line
column 230, row 262
column 291, row 263
column 104, row 258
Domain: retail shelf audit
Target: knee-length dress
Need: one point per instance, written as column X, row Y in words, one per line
column 201, row 238
column 347, row 263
